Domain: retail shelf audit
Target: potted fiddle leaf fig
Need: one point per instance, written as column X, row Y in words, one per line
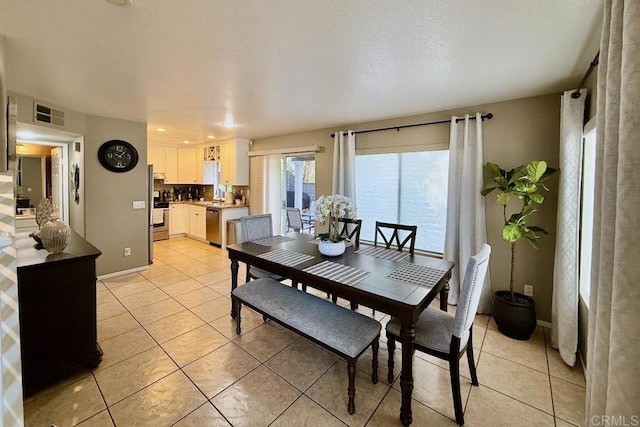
column 514, row 312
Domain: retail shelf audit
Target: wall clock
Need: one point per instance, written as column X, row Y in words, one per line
column 118, row 156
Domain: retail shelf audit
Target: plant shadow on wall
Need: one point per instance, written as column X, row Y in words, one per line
column 515, row 313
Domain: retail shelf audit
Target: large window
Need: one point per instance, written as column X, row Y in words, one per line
column 404, row 188
column 586, row 220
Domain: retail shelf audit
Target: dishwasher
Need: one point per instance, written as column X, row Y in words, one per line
column 214, row 232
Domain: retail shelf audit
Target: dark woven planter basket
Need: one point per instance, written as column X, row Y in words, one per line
column 515, row 319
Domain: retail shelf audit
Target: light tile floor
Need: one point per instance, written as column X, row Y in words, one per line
column 172, row 358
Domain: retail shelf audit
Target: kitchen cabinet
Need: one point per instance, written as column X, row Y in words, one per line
column 178, row 219
column 171, row 165
column 234, row 162
column 156, row 157
column 187, row 165
column 198, row 221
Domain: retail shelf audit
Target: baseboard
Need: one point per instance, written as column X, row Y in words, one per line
column 544, row 324
column 123, row 272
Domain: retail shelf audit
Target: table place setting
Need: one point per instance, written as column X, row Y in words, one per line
column 382, row 253
column 338, row 272
column 273, row 240
column 285, row 257
column 417, row 275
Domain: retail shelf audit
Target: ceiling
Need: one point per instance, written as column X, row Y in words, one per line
column 283, row 66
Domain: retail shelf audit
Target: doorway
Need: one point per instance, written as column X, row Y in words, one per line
column 298, row 186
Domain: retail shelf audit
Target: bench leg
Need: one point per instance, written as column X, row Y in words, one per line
column 237, row 306
column 351, row 391
column 391, row 344
column 374, row 362
column 334, row 298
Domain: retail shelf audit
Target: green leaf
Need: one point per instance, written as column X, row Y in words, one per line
column 537, row 229
column 536, row 169
column 537, row 197
column 501, row 181
column 495, row 170
column 526, row 187
column 503, row 198
column 511, row 233
column 488, row 190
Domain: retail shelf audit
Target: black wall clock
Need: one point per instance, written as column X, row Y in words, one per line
column 118, row 156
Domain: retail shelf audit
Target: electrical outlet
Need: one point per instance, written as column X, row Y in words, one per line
column 528, row 290
column 127, row 251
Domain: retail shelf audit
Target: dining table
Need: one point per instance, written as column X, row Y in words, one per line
column 396, row 283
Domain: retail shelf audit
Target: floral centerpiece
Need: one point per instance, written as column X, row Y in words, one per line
column 329, row 209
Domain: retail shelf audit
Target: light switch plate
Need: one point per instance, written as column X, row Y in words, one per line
column 138, row 204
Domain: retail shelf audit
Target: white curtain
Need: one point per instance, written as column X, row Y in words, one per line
column 613, row 362
column 564, row 313
column 466, row 229
column 344, row 164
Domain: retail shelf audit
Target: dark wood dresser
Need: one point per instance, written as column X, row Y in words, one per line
column 57, row 304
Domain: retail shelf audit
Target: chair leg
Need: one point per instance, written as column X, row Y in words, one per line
column 294, row 284
column 304, row 288
column 391, row 345
column 471, row 360
column 328, row 295
column 238, row 307
column 374, row 361
column 334, row 298
column 351, row 391
column 354, row 306
column 454, row 370
column 248, row 278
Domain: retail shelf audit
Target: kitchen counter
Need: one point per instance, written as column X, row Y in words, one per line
column 210, row 203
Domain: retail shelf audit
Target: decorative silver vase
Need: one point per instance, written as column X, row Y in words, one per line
column 55, row 236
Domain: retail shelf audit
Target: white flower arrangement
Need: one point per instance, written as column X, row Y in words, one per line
column 330, row 208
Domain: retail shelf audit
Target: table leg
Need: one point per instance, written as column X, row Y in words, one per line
column 444, row 296
column 234, row 283
column 408, row 336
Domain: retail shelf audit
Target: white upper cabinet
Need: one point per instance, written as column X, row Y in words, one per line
column 155, row 157
column 234, row 162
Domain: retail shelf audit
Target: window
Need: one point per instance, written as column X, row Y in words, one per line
column 586, row 215
column 404, row 188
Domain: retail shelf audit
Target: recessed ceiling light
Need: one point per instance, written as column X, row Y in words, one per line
column 228, row 124
column 120, row 2
column 211, row 137
column 185, row 142
column 160, row 129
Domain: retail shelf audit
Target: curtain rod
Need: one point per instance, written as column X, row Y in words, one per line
column 487, row 116
column 576, row 94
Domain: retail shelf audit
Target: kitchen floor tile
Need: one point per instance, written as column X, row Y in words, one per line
column 213, row 309
column 142, row 299
column 124, row 346
column 559, row 369
column 192, row 345
column 388, row 414
column 151, row 313
column 330, row 392
column 264, row 392
column 306, row 413
column 220, row 368
column 161, row 404
column 102, row 419
column 109, row 309
column 182, row 287
column 116, row 325
column 488, row 408
column 132, row 375
column 266, row 340
column 528, row 353
column 568, row 401
column 214, row 277
column 197, row 296
column 69, row 406
column 133, row 288
column 172, row 326
column 205, row 415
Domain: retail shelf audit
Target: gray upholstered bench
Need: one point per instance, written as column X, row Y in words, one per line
column 344, row 332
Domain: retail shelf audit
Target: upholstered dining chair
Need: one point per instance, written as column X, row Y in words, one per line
column 256, row 227
column 295, row 222
column 447, row 337
column 390, row 234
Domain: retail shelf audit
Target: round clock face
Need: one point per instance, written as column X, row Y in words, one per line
column 118, row 156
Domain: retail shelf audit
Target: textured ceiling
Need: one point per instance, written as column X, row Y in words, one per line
column 283, row 66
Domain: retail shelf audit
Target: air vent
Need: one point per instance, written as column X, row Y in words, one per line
column 43, row 113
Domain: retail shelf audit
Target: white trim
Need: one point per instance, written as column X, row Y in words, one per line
column 543, row 324
column 123, row 272
column 293, row 150
column 404, row 149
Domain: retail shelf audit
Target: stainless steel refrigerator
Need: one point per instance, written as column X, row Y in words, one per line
column 150, row 210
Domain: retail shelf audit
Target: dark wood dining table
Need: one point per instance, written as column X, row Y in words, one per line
column 402, row 299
